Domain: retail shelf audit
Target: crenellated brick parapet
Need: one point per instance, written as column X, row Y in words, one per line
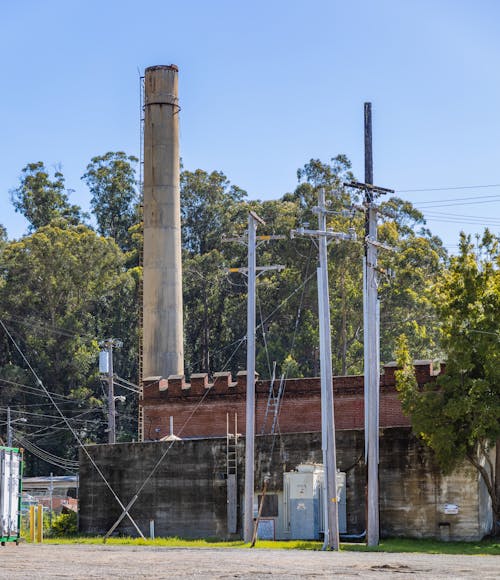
column 224, row 396
column 222, row 383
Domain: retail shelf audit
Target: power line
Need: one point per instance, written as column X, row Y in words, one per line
column 37, row 390
column 458, row 215
column 74, row 433
column 66, row 464
column 439, row 203
column 38, row 414
column 456, row 220
column 450, row 188
column 47, row 327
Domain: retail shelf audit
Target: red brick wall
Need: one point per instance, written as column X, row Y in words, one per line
column 200, row 408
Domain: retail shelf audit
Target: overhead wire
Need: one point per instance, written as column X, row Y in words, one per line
column 437, row 203
column 66, row 464
column 263, row 330
column 75, row 435
column 48, row 453
column 282, row 386
column 448, row 188
column 47, row 327
column 55, row 425
column 37, row 390
column 241, row 340
column 116, row 377
column 458, row 215
column 37, row 414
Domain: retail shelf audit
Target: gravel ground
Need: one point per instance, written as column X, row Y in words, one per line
column 95, row 561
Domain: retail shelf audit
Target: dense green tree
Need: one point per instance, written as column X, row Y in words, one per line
column 209, row 209
column 287, row 302
column 459, row 415
column 61, row 290
column 206, row 291
column 405, row 274
column 41, row 198
column 112, row 182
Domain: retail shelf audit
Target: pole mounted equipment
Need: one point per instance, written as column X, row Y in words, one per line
column 109, row 344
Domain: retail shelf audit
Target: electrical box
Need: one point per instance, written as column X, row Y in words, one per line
column 11, row 474
column 104, row 362
column 303, row 502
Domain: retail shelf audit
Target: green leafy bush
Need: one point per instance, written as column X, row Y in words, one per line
column 64, row 525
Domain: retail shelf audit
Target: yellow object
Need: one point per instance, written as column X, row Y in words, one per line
column 32, row 523
column 39, row 527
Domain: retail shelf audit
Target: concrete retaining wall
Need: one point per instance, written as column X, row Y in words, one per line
column 186, row 496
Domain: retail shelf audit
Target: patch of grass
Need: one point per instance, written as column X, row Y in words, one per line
column 405, row 545
column 159, row 542
column 395, row 545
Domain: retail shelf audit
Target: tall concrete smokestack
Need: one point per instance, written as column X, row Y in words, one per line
column 163, row 352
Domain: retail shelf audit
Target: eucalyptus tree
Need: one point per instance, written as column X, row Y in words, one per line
column 111, row 179
column 41, row 198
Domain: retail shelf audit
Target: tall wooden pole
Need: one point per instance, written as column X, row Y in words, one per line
column 328, row 423
column 250, row 402
column 371, row 348
column 324, row 235
column 111, row 397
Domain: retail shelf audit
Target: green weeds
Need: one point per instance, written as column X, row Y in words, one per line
column 395, row 545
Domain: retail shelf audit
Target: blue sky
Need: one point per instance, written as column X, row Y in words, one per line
column 264, row 87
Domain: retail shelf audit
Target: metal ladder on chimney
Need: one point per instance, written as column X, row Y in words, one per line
column 232, row 474
column 140, row 413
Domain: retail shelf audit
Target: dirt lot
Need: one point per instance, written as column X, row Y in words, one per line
column 91, row 561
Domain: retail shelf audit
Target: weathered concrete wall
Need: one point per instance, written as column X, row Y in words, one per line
column 187, row 494
column 413, row 493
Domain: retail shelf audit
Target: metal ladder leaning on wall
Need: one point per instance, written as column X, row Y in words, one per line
column 232, row 475
column 273, row 402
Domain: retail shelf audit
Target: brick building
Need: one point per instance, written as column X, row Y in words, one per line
column 188, row 492
column 200, row 408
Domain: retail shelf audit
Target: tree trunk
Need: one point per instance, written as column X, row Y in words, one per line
column 491, row 480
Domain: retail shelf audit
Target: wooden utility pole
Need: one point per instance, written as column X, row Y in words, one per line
column 371, row 332
column 251, row 271
column 108, row 344
column 253, row 219
column 324, row 235
column 371, row 350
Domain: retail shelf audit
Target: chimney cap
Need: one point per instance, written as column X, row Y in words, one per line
column 173, row 67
